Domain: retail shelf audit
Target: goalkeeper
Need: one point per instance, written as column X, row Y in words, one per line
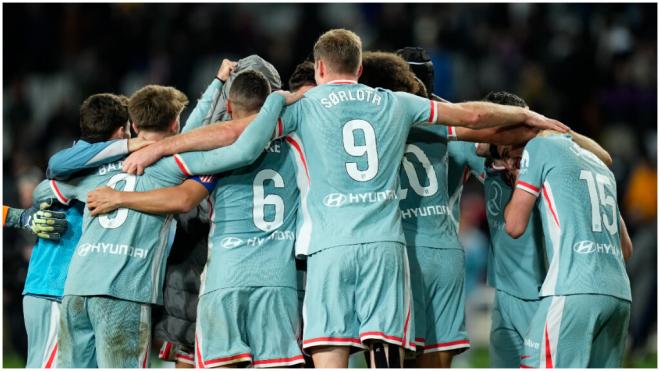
column 42, row 222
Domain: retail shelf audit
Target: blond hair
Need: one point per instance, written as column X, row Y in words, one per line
column 155, row 107
column 340, row 49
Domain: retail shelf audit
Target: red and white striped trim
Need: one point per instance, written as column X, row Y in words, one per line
column 56, row 190
column 451, row 132
column 419, row 342
column 182, row 165
column 279, row 362
column 433, row 114
column 333, row 341
column 551, row 331
column 304, row 233
column 198, row 352
column 458, row 344
column 185, row 358
column 535, row 191
column 342, row 82
column 49, row 359
column 279, row 129
column 547, row 194
column 237, row 358
column 165, row 351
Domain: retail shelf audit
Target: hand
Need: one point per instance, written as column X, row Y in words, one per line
column 537, row 120
column 226, row 68
column 141, row 159
column 103, row 200
column 291, row 98
column 44, row 223
column 137, row 143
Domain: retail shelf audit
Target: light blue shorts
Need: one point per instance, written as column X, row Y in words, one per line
column 438, row 286
column 577, row 331
column 356, row 294
column 255, row 325
column 510, row 321
column 42, row 324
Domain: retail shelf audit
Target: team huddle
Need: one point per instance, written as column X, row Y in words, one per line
column 333, row 211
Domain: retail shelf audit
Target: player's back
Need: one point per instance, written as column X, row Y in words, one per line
column 424, row 204
column 121, row 254
column 580, row 218
column 254, row 224
column 350, row 140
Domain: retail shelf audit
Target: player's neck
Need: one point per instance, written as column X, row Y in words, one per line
column 330, row 77
column 153, row 135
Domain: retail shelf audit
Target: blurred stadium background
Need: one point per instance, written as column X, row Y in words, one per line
column 593, row 66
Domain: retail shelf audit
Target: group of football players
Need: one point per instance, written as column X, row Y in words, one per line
column 357, row 171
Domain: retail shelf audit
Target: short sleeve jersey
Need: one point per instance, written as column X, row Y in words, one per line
column 463, row 161
column 580, row 217
column 350, row 140
column 252, row 236
column 515, row 266
column 121, row 254
column 424, row 200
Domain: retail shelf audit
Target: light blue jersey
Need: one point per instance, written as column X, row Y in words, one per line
column 515, row 266
column 252, row 236
column 580, row 218
column 85, row 156
column 351, row 140
column 424, row 204
column 121, row 254
column 463, row 161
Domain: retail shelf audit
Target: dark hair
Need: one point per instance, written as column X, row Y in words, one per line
column 389, row 71
column 249, row 90
column 420, row 63
column 302, row 75
column 154, row 107
column 505, row 98
column 101, row 115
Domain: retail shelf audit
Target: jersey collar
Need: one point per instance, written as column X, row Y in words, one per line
column 343, row 82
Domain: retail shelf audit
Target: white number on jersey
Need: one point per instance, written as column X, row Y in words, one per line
column 260, row 200
column 597, row 192
column 122, row 214
column 413, row 179
column 368, row 149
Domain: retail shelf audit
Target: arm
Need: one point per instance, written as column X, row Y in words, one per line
column 205, row 103
column 200, row 139
column 83, row 156
column 171, row 200
column 513, row 135
column 247, row 148
column 42, row 222
column 479, row 115
column 517, row 212
column 626, row 243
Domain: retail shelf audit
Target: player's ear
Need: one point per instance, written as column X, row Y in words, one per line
column 321, row 68
column 135, row 128
column 228, row 107
column 359, row 71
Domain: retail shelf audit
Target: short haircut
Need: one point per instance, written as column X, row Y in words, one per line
column 340, row 49
column 101, row 115
column 249, row 90
column 302, row 75
column 155, row 107
column 389, row 71
column 505, row 98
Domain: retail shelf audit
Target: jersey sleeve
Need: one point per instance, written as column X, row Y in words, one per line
column 416, row 109
column 82, row 156
column 530, row 178
column 474, row 161
column 63, row 192
column 244, row 151
column 207, row 181
column 204, row 106
column 288, row 121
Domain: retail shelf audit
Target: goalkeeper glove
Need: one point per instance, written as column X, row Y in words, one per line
column 44, row 223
